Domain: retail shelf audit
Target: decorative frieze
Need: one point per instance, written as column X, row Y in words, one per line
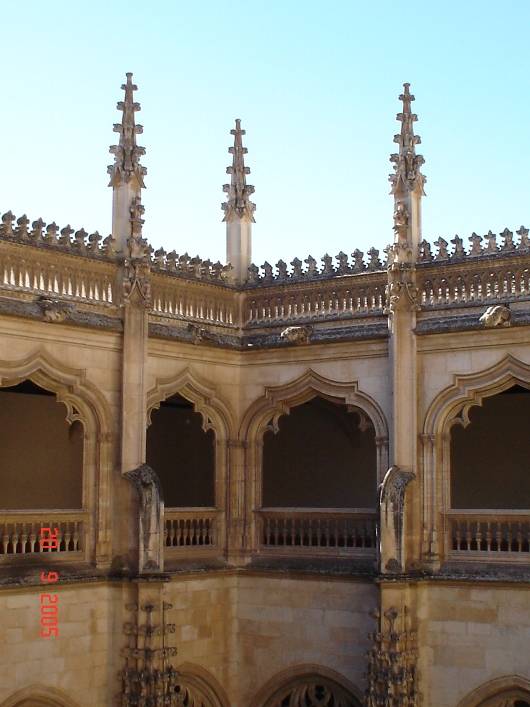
column 392, row 673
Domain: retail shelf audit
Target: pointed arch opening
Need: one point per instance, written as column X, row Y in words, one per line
column 54, row 462
column 476, row 467
column 318, row 450
column 187, row 441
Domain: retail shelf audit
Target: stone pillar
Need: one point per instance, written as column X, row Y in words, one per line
column 397, row 528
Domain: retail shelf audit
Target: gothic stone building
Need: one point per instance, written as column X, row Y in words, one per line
column 289, row 486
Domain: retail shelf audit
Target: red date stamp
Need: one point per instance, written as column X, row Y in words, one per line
column 49, row 607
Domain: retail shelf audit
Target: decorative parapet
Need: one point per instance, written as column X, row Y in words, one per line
column 55, row 238
column 191, row 268
column 392, row 662
column 481, row 246
column 313, row 271
column 493, row 274
column 349, row 297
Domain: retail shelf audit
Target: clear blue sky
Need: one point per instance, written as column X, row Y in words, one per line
column 315, row 84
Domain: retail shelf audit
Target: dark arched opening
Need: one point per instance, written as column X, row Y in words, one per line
column 41, row 453
column 490, row 458
column 182, row 454
column 323, row 456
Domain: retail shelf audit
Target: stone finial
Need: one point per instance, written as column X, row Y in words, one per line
column 238, row 191
column 407, row 176
column 127, row 153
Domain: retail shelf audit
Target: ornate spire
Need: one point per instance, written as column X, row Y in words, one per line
column 407, row 176
column 127, row 153
column 238, row 191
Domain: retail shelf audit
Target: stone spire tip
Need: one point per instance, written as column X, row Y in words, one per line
column 407, row 164
column 127, row 153
column 238, row 191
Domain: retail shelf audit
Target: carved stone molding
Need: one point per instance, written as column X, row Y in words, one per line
column 151, row 555
column 136, row 280
column 148, row 678
column 392, row 662
column 392, row 500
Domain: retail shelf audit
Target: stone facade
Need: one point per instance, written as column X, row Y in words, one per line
column 349, row 436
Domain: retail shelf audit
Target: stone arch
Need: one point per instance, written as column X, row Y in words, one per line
column 34, row 696
column 264, row 414
column 203, row 690
column 86, row 404
column 505, row 691
column 215, row 411
column 451, row 407
column 217, row 415
column 298, row 682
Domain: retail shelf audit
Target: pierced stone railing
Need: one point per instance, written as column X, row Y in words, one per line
column 353, row 296
column 20, row 532
column 44, row 274
column 194, row 302
column 487, row 282
column 321, row 530
column 190, row 529
column 488, row 534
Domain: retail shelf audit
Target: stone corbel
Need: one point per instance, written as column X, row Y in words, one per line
column 151, row 542
column 392, row 501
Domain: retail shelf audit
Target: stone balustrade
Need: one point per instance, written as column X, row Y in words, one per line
column 352, row 296
column 319, row 530
column 499, row 535
column 66, row 278
column 192, row 302
column 20, row 532
column 482, row 282
column 190, row 529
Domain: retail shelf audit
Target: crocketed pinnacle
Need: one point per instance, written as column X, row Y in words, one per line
column 238, row 191
column 127, row 153
column 407, row 163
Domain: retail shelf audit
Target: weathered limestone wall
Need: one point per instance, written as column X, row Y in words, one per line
column 470, row 634
column 82, row 661
column 288, row 622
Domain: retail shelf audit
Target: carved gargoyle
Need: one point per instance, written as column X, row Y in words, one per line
column 392, row 499
column 300, row 335
column 496, row 316
column 151, row 556
column 55, row 311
